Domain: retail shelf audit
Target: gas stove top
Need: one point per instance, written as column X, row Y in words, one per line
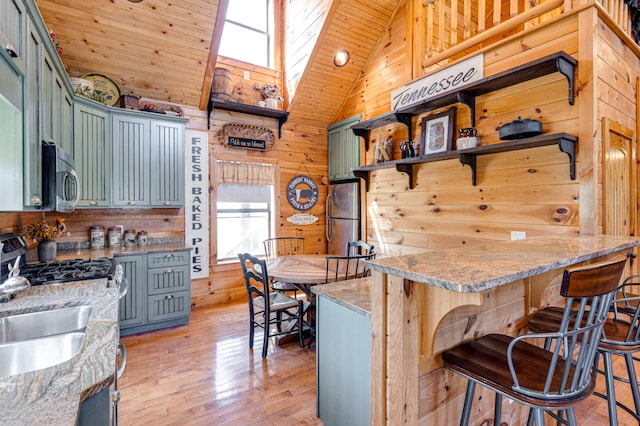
column 67, row 270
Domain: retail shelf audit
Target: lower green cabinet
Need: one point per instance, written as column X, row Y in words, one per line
column 159, row 294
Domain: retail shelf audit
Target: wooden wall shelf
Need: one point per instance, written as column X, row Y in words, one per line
column 558, row 62
column 281, row 116
column 566, row 143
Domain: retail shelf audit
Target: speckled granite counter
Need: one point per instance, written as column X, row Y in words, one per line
column 352, row 294
column 52, row 395
column 474, row 269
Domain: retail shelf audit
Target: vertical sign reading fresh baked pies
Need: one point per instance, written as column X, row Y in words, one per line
column 196, row 206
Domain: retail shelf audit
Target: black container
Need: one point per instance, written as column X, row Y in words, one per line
column 520, row 129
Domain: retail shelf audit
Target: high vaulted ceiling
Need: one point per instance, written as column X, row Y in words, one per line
column 160, row 49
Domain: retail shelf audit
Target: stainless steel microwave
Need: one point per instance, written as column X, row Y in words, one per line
column 60, row 185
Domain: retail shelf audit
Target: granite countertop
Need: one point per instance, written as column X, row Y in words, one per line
column 53, row 395
column 352, row 294
column 89, row 253
column 478, row 268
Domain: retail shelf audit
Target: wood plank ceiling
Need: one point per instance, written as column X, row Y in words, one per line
column 159, row 49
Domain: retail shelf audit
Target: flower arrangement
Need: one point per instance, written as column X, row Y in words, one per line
column 269, row 91
column 42, row 231
column 55, row 43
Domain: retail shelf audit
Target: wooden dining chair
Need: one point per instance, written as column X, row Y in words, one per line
column 340, row 268
column 358, row 247
column 550, row 380
column 621, row 337
column 283, row 246
column 266, row 308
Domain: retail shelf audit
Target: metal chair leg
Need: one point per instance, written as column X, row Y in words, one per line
column 611, row 391
column 633, row 382
column 468, row 400
column 497, row 410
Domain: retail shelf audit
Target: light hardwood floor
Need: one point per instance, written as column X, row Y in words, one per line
column 204, row 374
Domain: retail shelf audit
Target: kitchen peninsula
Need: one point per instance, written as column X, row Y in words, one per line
column 53, row 395
column 424, row 303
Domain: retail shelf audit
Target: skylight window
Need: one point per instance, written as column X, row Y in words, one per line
column 248, row 32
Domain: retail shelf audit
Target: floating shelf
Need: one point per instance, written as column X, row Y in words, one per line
column 566, row 143
column 281, row 116
column 558, row 62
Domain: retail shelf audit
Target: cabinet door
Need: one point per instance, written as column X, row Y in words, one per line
column 168, row 306
column 13, row 20
column 130, row 161
column 167, row 164
column 33, row 137
column 132, row 305
column 11, row 129
column 56, row 109
column 92, row 155
column 165, row 280
column 344, row 149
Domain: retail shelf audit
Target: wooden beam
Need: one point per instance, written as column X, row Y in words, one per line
column 213, row 54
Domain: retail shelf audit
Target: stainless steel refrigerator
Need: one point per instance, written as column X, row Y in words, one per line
column 343, row 216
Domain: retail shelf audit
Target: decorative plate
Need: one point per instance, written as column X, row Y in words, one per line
column 105, row 86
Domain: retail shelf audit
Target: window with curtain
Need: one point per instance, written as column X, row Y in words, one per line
column 245, row 206
column 248, row 32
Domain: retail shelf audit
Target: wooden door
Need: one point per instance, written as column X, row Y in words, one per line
column 619, row 181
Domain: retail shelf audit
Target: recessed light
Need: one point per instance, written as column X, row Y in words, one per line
column 341, row 59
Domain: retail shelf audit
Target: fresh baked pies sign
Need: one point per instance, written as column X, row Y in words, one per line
column 246, row 136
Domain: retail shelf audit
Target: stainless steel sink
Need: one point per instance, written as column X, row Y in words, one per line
column 36, row 354
column 44, row 323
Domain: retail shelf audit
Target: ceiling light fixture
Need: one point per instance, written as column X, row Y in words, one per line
column 341, row 59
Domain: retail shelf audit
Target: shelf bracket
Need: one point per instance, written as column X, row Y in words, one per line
column 408, row 169
column 364, row 175
column 406, row 120
column 569, row 147
column 470, row 160
column 567, row 69
column 470, row 101
column 364, row 134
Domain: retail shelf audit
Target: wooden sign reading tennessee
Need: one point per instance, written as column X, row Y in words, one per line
column 246, row 137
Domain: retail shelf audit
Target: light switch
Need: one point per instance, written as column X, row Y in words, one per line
column 518, row 235
column 246, row 75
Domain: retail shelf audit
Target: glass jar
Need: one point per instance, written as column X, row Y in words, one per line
column 130, row 237
column 96, row 236
column 114, row 237
column 142, row 238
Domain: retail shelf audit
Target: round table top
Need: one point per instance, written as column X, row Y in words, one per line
column 300, row 269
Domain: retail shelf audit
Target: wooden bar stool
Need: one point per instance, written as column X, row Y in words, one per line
column 621, row 336
column 546, row 380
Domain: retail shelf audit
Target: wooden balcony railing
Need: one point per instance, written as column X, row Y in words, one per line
column 453, row 28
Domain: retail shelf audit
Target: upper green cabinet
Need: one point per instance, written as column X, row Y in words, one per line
column 13, row 21
column 344, row 149
column 148, row 161
column 92, row 152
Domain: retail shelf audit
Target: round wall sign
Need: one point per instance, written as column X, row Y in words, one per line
column 302, row 193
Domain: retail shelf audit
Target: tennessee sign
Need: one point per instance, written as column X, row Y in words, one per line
column 439, row 83
column 302, row 193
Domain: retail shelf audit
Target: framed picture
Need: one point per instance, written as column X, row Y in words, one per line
column 437, row 132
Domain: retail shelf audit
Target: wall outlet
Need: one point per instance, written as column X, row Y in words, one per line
column 518, row 235
column 246, row 75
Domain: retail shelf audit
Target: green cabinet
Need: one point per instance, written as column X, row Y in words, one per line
column 344, row 149
column 13, row 21
column 92, row 152
column 148, row 161
column 11, row 129
column 132, row 304
column 159, row 293
column 56, row 105
column 32, row 141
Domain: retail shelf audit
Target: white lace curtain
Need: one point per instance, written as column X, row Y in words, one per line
column 245, row 173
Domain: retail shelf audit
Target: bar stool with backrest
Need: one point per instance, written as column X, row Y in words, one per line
column 621, row 336
column 283, row 246
column 263, row 303
column 546, row 380
column 357, row 247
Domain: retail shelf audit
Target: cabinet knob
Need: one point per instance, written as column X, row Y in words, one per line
column 169, row 296
column 93, row 203
column 11, row 50
column 167, row 203
column 169, row 271
column 36, row 200
column 170, row 255
column 132, row 203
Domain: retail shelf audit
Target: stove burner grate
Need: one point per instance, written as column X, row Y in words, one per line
column 67, row 270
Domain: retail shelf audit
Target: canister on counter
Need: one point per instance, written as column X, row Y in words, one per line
column 114, row 236
column 130, row 237
column 97, row 236
column 142, row 238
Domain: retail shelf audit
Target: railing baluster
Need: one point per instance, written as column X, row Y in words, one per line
column 430, row 29
column 513, row 8
column 454, row 23
column 441, row 37
column 482, row 13
column 467, row 19
column 497, row 12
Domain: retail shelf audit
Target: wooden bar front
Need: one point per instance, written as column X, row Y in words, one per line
column 425, row 303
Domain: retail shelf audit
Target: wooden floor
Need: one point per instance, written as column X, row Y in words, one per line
column 204, row 374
